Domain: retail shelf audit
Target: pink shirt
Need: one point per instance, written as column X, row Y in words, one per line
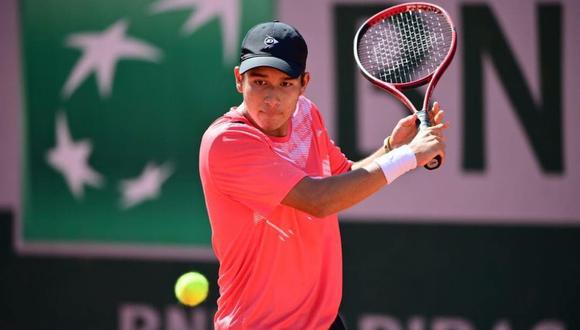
column 280, row 268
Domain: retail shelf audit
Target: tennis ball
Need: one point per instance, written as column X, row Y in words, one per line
column 191, row 288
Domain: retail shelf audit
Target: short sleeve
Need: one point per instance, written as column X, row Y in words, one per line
column 339, row 163
column 243, row 166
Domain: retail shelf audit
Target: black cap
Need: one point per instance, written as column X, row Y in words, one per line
column 274, row 44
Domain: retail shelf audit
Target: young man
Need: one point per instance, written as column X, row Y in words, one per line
column 273, row 182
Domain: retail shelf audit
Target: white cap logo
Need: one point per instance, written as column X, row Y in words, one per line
column 270, row 41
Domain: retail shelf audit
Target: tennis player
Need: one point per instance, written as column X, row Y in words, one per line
column 274, row 181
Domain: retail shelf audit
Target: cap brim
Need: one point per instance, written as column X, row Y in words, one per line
column 292, row 70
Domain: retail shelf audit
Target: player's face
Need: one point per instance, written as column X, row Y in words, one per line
column 270, row 97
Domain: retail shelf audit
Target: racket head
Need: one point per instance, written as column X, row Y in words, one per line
column 405, row 46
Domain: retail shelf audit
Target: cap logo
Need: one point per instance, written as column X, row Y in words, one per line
column 270, row 41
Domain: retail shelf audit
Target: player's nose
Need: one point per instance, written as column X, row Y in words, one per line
column 272, row 101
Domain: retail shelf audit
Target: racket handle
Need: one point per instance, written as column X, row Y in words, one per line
column 434, row 163
column 424, row 122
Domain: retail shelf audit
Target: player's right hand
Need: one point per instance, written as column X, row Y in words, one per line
column 428, row 143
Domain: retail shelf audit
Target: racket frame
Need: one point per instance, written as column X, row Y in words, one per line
column 433, row 78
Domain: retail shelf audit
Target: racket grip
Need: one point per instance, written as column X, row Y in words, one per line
column 424, row 122
column 423, row 117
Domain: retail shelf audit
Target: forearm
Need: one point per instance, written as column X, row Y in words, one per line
column 324, row 196
column 368, row 160
column 328, row 195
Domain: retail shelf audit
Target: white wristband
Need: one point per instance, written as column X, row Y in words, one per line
column 397, row 162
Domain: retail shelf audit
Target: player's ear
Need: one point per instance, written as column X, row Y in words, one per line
column 238, row 77
column 305, row 79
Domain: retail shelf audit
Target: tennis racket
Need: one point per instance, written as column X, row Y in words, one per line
column 405, row 46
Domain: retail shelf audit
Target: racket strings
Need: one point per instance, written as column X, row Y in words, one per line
column 405, row 47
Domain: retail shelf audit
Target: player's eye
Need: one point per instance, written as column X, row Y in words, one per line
column 259, row 82
column 286, row 84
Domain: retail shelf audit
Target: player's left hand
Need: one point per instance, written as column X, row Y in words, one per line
column 436, row 114
column 406, row 128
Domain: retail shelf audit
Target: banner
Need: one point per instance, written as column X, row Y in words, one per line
column 118, row 96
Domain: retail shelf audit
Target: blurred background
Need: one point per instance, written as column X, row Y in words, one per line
column 103, row 104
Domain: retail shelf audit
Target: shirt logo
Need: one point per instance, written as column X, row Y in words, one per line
column 270, row 41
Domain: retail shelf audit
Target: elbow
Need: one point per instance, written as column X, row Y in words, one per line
column 319, row 209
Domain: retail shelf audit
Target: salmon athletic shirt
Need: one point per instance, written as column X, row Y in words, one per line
column 280, row 268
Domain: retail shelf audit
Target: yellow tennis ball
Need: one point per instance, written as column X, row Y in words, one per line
column 191, row 288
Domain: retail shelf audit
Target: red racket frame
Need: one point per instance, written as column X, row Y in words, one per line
column 432, row 78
